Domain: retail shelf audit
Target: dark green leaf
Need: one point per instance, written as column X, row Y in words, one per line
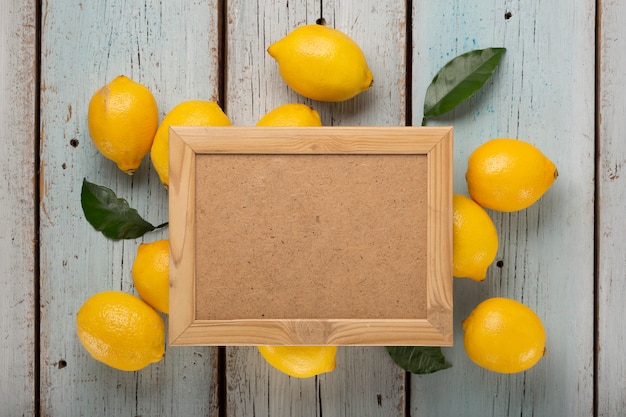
column 419, row 359
column 459, row 79
column 111, row 215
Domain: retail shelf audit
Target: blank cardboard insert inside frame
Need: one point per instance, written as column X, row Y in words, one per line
column 310, row 236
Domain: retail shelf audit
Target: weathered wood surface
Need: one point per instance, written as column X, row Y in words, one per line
column 365, row 382
column 611, row 205
column 18, row 88
column 543, row 92
column 168, row 47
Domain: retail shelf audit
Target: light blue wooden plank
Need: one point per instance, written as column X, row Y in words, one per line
column 551, row 80
column 17, row 204
column 254, row 86
column 365, row 381
column 543, row 93
column 170, row 47
column 611, row 223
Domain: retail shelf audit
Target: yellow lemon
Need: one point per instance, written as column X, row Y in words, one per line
column 122, row 119
column 321, row 63
column 121, row 330
column 291, row 115
column 504, row 335
column 300, row 361
column 508, row 174
column 151, row 274
column 475, row 239
column 187, row 113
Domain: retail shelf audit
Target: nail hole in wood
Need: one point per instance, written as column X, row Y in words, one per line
column 62, row 364
column 508, row 15
column 499, row 264
column 74, row 142
column 321, row 21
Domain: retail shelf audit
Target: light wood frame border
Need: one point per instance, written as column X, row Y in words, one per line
column 187, row 142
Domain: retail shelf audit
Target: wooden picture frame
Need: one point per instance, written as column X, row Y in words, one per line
column 310, row 236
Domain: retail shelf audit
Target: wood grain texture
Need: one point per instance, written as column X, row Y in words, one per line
column 312, row 167
column 543, row 92
column 364, row 383
column 404, row 289
column 319, row 140
column 611, row 197
column 253, row 83
column 171, row 48
column 17, row 201
column 181, row 198
column 354, row 388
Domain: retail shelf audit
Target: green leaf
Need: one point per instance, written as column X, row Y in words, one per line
column 111, row 215
column 459, row 79
column 418, row 359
